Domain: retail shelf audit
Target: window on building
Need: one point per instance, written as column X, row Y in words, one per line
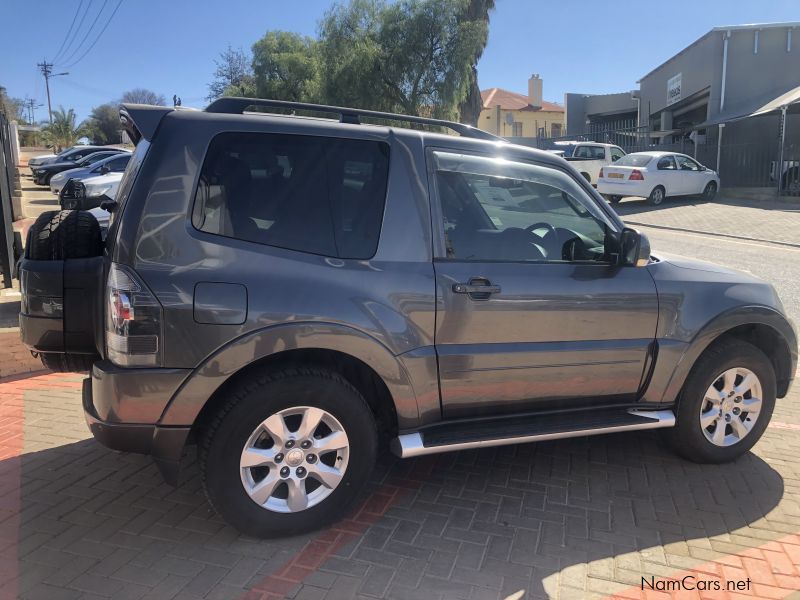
column 311, row 194
column 516, row 129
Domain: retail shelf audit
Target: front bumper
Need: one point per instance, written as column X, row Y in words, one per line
column 122, row 408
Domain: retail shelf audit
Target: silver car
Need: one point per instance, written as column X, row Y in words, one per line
column 112, row 164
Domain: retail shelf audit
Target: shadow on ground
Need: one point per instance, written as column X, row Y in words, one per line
column 484, row 523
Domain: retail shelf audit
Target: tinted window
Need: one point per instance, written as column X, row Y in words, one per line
column 634, row 160
column 666, row 163
column 118, row 165
column 686, row 164
column 496, row 209
column 312, row 194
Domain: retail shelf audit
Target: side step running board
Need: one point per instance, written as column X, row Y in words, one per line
column 448, row 437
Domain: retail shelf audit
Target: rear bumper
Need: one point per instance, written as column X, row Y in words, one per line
column 111, row 392
column 623, row 189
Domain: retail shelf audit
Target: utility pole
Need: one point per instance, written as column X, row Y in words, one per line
column 47, row 71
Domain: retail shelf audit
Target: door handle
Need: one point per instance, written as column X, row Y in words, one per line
column 477, row 288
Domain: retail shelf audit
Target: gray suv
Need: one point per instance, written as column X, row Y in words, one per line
column 291, row 293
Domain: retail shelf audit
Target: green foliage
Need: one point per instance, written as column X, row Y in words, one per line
column 411, row 56
column 12, row 107
column 63, row 131
column 233, row 75
column 142, row 96
column 416, row 57
column 103, row 126
column 286, row 67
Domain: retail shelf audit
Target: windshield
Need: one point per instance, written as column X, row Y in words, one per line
column 634, row 160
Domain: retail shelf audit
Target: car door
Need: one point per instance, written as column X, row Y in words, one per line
column 693, row 179
column 533, row 312
column 667, row 174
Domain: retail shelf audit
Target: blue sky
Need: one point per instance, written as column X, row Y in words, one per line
column 585, row 46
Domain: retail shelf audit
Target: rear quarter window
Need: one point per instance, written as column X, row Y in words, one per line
column 306, row 193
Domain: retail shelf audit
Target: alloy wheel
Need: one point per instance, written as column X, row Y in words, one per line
column 294, row 459
column 731, row 406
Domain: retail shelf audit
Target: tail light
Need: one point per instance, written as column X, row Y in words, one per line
column 133, row 320
column 636, row 175
column 601, row 173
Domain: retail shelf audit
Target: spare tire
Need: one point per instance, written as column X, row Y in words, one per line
column 62, row 235
column 58, row 235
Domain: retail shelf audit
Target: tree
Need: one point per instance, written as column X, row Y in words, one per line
column 63, row 131
column 233, row 75
column 286, row 67
column 477, row 12
column 142, row 96
column 103, row 126
column 12, row 107
column 411, row 56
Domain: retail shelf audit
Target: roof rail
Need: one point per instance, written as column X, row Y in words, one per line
column 235, row 105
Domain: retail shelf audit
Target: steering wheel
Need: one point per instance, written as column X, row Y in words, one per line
column 542, row 225
column 552, row 242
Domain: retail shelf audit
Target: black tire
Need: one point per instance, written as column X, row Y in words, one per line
column 657, row 196
column 68, row 363
column 614, row 199
column 710, row 191
column 687, row 437
column 259, row 396
column 58, row 235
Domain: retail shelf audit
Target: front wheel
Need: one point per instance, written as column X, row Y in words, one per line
column 726, row 403
column 710, row 191
column 288, row 452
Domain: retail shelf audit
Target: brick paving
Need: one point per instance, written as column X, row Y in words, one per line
column 764, row 221
column 583, row 518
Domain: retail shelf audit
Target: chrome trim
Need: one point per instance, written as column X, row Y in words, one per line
column 409, row 445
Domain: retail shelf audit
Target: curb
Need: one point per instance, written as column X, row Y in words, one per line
column 701, row 232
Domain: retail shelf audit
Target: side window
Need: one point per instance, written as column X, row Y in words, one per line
column 495, row 209
column 311, row 194
column 598, row 152
column 686, row 164
column 666, row 163
column 583, row 152
column 118, row 164
column 616, row 154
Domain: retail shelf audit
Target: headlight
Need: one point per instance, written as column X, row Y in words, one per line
column 98, row 191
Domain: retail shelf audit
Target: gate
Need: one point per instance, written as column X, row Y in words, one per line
column 7, row 170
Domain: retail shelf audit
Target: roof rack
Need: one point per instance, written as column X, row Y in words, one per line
column 235, row 105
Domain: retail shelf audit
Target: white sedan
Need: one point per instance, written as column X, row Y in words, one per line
column 655, row 176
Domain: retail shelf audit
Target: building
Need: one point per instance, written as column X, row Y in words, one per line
column 730, row 98
column 509, row 114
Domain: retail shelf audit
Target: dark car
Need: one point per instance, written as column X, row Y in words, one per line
column 43, row 173
column 291, row 294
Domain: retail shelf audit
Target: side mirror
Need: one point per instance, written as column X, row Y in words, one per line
column 104, row 169
column 634, row 248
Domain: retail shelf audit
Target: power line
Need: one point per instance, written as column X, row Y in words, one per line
column 69, row 31
column 74, row 32
column 99, row 35
column 86, row 35
column 47, row 71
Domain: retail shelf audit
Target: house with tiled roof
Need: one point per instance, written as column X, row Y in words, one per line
column 509, row 114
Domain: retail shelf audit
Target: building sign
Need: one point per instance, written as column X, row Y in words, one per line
column 674, row 89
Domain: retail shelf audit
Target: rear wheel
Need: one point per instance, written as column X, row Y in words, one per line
column 613, row 198
column 288, row 451
column 657, row 196
column 726, row 403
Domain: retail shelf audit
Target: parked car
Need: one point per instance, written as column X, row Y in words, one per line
column 657, row 176
column 304, row 289
column 73, row 154
column 115, row 163
column 43, row 173
column 89, row 193
column 789, row 176
column 589, row 157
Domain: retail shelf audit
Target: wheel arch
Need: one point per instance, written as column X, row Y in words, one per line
column 366, row 363
column 761, row 326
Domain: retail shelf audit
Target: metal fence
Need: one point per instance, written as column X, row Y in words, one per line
column 7, row 175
